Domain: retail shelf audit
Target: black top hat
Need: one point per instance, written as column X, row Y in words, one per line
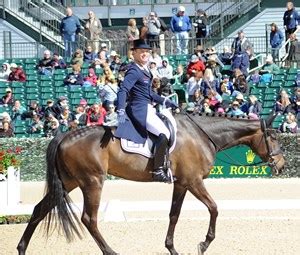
column 140, row 44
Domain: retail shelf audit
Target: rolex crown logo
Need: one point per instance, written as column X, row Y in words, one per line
column 250, row 156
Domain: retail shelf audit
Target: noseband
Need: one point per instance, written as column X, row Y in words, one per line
column 271, row 153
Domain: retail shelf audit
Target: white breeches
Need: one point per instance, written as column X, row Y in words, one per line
column 154, row 124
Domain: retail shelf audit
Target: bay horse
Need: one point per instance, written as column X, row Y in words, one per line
column 82, row 158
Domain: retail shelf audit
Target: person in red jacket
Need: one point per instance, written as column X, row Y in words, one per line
column 17, row 73
column 96, row 115
column 195, row 65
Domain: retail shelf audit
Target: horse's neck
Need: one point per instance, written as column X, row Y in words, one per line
column 225, row 133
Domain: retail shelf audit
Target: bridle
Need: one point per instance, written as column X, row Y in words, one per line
column 266, row 134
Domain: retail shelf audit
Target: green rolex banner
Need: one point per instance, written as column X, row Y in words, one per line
column 238, row 161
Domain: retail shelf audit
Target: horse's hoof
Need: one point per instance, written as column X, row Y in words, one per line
column 201, row 248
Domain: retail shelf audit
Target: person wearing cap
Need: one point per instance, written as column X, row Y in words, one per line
column 69, row 29
column 195, row 65
column 180, row 26
column 200, row 23
column 142, row 115
column 8, row 98
column 16, row 74
column 235, row 109
column 93, row 30
column 269, row 67
column 5, row 71
column 153, row 25
column 240, row 43
column 276, row 39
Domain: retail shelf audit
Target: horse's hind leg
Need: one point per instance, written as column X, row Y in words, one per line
column 39, row 213
column 177, row 200
column 91, row 195
column 199, row 191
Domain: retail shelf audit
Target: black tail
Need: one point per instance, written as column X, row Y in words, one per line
column 63, row 213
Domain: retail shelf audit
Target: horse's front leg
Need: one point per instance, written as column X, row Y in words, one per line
column 199, row 191
column 177, row 200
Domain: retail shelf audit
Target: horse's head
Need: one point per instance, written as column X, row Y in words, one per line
column 266, row 145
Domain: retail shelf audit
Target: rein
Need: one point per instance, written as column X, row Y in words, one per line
column 218, row 148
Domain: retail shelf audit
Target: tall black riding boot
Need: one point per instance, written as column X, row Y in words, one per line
column 159, row 173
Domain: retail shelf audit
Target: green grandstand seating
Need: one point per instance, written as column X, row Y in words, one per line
column 77, row 89
column 19, row 96
column 266, row 111
column 90, row 94
column 46, row 84
column 276, row 124
column 60, row 89
column 17, row 84
column 99, row 71
column 47, row 96
column 31, row 72
column 282, row 71
column 75, row 95
column 293, row 70
column 31, row 84
column 45, row 78
column 270, row 97
column 32, row 90
column 18, row 90
column 21, row 123
column 32, row 96
column 31, row 61
column 75, row 101
column 20, row 130
column 89, row 89
column 271, row 90
column 30, row 67
column 268, row 104
column 278, row 77
column 46, row 89
column 291, row 77
column 289, row 84
column 92, row 101
column 276, row 84
column 4, row 84
column 262, row 85
column 59, row 77
column 59, row 72
column 257, row 91
column 60, row 94
column 85, row 72
column 18, row 61
column 23, row 135
column 32, row 77
column 59, row 84
column 37, row 135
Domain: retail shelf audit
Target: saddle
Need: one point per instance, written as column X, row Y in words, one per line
column 147, row 149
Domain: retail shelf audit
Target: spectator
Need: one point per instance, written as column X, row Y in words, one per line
column 153, row 69
column 132, row 33
column 6, row 131
column 77, row 58
column 107, row 73
column 153, row 25
column 290, row 124
column 268, row 69
column 240, row 43
column 115, row 64
column 111, row 118
column 276, row 39
column 241, row 61
column 200, row 53
column 47, row 108
column 45, row 64
column 194, row 83
column 5, row 71
column 198, row 100
column 290, row 20
column 156, row 85
column 155, row 57
column 67, row 119
column 91, row 79
column 93, row 30
column 226, row 86
column 200, row 24
column 240, row 86
column 6, row 117
column 74, row 79
column 226, row 56
column 108, row 91
column 18, row 110
column 255, row 77
column 294, row 51
column 58, row 62
column 180, row 76
column 80, row 116
column 181, row 25
column 51, row 126
column 89, row 56
column 165, row 70
column 36, row 126
column 104, row 51
column 235, row 109
column 69, row 29
column 195, row 65
column 214, row 99
column 210, row 82
column 16, row 74
column 296, row 103
column 252, row 107
column 96, row 115
column 57, row 109
column 7, row 99
column 206, row 108
column 34, row 108
column 165, row 87
column 283, row 104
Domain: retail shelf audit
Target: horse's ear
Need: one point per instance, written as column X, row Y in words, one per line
column 270, row 119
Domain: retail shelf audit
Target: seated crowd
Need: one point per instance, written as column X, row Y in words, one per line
column 208, row 89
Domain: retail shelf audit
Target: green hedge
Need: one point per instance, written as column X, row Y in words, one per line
column 34, row 166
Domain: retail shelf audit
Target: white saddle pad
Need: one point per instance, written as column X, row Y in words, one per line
column 145, row 149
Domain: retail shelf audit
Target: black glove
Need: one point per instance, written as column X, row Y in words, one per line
column 170, row 104
column 121, row 116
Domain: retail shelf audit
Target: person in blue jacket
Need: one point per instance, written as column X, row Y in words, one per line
column 276, row 39
column 69, row 29
column 180, row 26
column 137, row 89
column 291, row 19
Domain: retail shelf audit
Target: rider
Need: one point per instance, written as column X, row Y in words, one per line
column 136, row 87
